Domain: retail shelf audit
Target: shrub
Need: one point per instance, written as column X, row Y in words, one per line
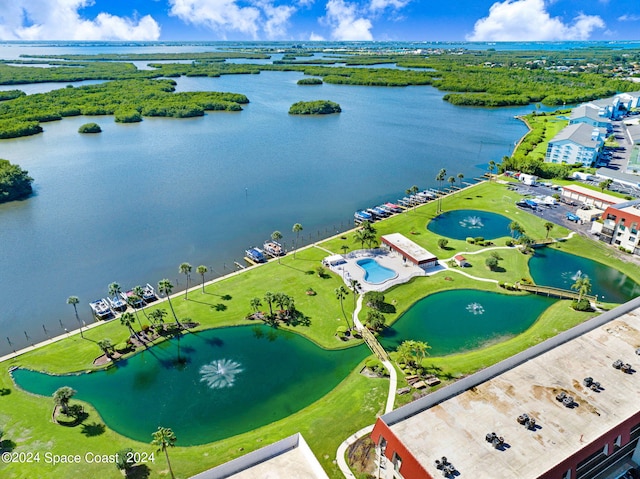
column 471, row 241
column 479, row 239
column 90, row 128
column 582, row 305
column 509, row 242
column 310, row 81
column 491, row 262
column 442, row 243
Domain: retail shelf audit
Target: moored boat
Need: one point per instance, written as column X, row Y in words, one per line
column 273, row 248
column 131, row 298
column 100, row 308
column 362, row 216
column 148, row 293
column 255, row 255
column 117, row 303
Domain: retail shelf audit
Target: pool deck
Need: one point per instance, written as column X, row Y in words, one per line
column 391, row 260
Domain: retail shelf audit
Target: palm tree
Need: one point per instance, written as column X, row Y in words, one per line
column 515, row 227
column 360, row 236
column 296, row 229
column 138, row 295
column 115, row 290
column 269, row 297
column 276, row 236
column 202, row 270
column 106, row 346
column 605, row 184
column 452, row 180
column 582, row 286
column 440, row 178
column 74, row 300
column 165, row 286
column 375, row 319
column 548, row 226
column 127, row 319
column 62, row 396
column 355, row 285
column 157, row 316
column 492, row 166
column 413, row 351
column 255, row 304
column 342, row 293
column 185, row 268
column 460, row 177
column 344, row 249
column 165, row 438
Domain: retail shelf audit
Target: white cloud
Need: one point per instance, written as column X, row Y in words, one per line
column 224, row 16
column 218, row 15
column 61, row 20
column 629, row 17
column 346, row 22
column 514, row 20
column 380, row 5
column 314, row 37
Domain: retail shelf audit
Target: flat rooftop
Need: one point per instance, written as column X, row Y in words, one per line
column 582, row 190
column 415, row 251
column 291, row 457
column 456, row 427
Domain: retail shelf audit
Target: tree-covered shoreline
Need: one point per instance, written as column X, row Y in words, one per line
column 15, row 183
column 127, row 100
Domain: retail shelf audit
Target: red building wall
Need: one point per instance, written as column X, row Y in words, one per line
column 410, row 468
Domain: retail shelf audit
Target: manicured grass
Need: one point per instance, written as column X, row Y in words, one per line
column 26, row 419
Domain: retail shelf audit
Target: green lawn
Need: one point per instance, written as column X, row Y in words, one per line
column 26, row 419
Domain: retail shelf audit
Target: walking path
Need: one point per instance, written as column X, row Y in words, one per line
column 391, row 397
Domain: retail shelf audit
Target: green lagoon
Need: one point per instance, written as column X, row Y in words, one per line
column 209, row 385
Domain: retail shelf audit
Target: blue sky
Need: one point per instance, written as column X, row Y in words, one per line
column 301, row 20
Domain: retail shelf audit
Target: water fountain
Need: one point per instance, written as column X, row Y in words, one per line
column 220, row 373
column 475, row 308
column 472, row 222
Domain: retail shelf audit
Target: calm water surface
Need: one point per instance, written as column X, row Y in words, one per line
column 252, row 376
column 132, row 203
column 464, row 319
column 462, row 224
column 551, row 267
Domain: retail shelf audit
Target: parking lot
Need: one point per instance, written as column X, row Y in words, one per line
column 557, row 213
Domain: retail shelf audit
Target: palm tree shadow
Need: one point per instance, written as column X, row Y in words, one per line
column 93, row 429
column 297, row 269
column 202, row 302
column 5, row 391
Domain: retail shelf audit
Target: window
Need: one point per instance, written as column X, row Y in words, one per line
column 567, row 475
column 397, row 462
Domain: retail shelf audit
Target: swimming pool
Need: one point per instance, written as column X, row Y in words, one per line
column 374, row 272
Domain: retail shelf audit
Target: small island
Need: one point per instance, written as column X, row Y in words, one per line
column 318, row 107
column 15, row 183
column 90, row 128
column 310, row 81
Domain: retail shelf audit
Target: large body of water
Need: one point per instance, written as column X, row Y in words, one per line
column 132, row 203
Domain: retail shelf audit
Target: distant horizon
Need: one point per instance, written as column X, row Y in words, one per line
column 320, row 20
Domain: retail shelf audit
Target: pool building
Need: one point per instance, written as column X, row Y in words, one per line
column 409, row 250
column 567, row 408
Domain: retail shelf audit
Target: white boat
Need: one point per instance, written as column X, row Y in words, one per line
column 100, row 308
column 273, row 248
column 117, row 303
column 148, row 293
